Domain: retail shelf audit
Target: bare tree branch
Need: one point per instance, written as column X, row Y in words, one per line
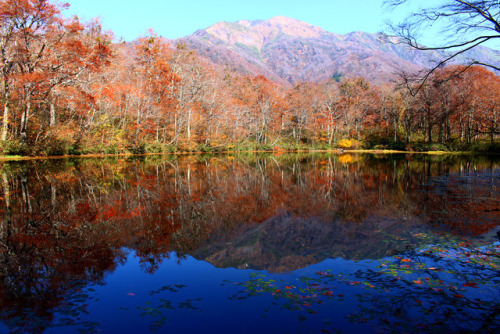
column 469, row 24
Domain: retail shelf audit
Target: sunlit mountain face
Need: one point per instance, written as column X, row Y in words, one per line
column 286, row 50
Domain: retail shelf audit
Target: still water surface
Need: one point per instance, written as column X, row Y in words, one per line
column 294, row 243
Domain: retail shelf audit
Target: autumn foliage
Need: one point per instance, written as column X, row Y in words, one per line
column 68, row 89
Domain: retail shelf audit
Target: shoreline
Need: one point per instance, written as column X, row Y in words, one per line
column 335, row 151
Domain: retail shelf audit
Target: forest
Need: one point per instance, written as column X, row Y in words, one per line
column 68, row 88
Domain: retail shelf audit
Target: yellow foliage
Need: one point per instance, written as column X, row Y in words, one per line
column 345, row 143
column 345, row 158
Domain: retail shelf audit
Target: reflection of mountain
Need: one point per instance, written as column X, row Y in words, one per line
column 68, row 221
column 286, row 242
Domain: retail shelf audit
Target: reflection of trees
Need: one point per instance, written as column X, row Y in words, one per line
column 459, row 198
column 46, row 248
column 66, row 221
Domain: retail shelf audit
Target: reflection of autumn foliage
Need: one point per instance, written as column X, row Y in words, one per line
column 43, row 256
column 69, row 221
column 462, row 203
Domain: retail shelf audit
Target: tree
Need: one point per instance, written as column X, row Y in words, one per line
column 21, row 24
column 157, row 82
column 42, row 54
column 330, row 117
column 303, row 104
column 466, row 25
column 477, row 103
column 259, row 97
column 353, row 97
column 195, row 83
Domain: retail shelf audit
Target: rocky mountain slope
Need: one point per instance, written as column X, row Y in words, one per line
column 290, row 51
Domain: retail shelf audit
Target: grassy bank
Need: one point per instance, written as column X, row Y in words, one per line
column 18, row 151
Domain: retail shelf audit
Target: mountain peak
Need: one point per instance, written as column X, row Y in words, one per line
column 284, row 20
column 294, row 27
column 287, row 50
column 261, row 30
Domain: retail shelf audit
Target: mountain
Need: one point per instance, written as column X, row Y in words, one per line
column 287, row 242
column 289, row 51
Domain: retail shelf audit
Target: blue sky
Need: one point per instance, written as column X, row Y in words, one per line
column 129, row 19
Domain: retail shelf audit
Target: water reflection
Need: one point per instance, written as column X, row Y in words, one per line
column 66, row 223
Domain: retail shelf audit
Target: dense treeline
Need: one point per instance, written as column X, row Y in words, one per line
column 67, row 89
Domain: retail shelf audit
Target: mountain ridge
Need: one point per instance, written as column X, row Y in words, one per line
column 289, row 51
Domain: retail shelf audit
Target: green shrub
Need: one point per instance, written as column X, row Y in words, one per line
column 426, row 147
column 137, row 149
column 437, row 147
column 264, row 147
column 154, row 147
column 171, row 149
column 486, row 147
column 54, row 144
column 419, row 147
column 398, row 146
column 110, row 149
column 14, row 147
column 456, row 146
column 205, row 148
column 74, row 149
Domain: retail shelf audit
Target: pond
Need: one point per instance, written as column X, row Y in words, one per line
column 278, row 243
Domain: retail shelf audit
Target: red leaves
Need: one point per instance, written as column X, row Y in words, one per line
column 109, row 213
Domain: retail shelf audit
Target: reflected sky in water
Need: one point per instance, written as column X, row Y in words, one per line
column 290, row 243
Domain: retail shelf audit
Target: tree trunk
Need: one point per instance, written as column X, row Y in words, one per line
column 24, row 121
column 395, row 130
column 189, row 125
column 6, row 221
column 429, row 127
column 52, row 114
column 6, row 110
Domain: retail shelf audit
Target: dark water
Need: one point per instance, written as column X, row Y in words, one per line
column 251, row 243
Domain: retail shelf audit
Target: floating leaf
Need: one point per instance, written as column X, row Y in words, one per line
column 471, row 284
